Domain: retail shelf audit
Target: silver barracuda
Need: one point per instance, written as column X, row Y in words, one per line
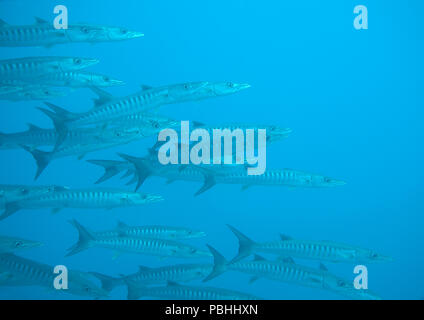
column 285, row 270
column 30, row 67
column 74, row 79
column 144, row 125
column 149, row 246
column 31, row 93
column 12, row 193
column 273, row 133
column 43, row 34
column 81, row 199
column 12, row 244
column 211, row 175
column 102, row 140
column 155, row 276
column 174, row 291
column 109, row 108
column 304, row 249
column 152, row 231
column 19, row 271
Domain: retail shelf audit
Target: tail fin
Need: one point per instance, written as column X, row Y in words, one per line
column 142, row 169
column 219, row 264
column 110, row 167
column 245, row 245
column 59, row 117
column 9, row 209
column 108, row 283
column 42, row 158
column 84, row 240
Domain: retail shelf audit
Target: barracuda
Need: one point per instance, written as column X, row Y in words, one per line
column 25, row 272
column 155, row 276
column 149, row 246
column 81, row 199
column 11, row 193
column 30, row 67
column 30, row 93
column 286, row 270
column 43, row 34
column 273, row 133
column 315, row 250
column 79, row 80
column 156, row 232
column 212, row 174
column 12, row 244
column 34, row 137
column 175, row 291
column 109, row 108
column 104, row 140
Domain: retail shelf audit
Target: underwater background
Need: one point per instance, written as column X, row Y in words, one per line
column 352, row 98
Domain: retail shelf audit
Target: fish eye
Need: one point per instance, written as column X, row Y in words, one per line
column 46, row 92
column 18, row 244
column 144, row 197
column 230, row 84
column 106, row 79
column 374, row 255
column 84, row 30
column 87, row 289
column 123, row 31
column 77, row 61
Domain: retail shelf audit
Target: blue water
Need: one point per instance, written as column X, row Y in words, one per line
column 352, row 99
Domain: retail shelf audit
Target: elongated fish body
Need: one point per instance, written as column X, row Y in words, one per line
column 35, row 137
column 149, row 246
column 88, row 199
column 32, row 93
column 98, row 141
column 30, row 67
column 25, row 272
column 81, row 199
column 154, row 231
column 304, row 249
column 175, row 273
column 75, row 79
column 43, row 34
column 318, row 250
column 12, row 193
column 273, row 133
column 175, row 291
column 12, row 244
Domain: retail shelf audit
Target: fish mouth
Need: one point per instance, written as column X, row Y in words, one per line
column 154, row 198
column 135, row 34
column 115, row 82
column 335, row 182
column 241, row 86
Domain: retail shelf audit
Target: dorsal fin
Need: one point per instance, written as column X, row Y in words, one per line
column 3, row 23
column 257, row 257
column 121, row 225
column 40, row 21
column 32, row 127
column 284, row 237
column 143, row 269
column 103, row 97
